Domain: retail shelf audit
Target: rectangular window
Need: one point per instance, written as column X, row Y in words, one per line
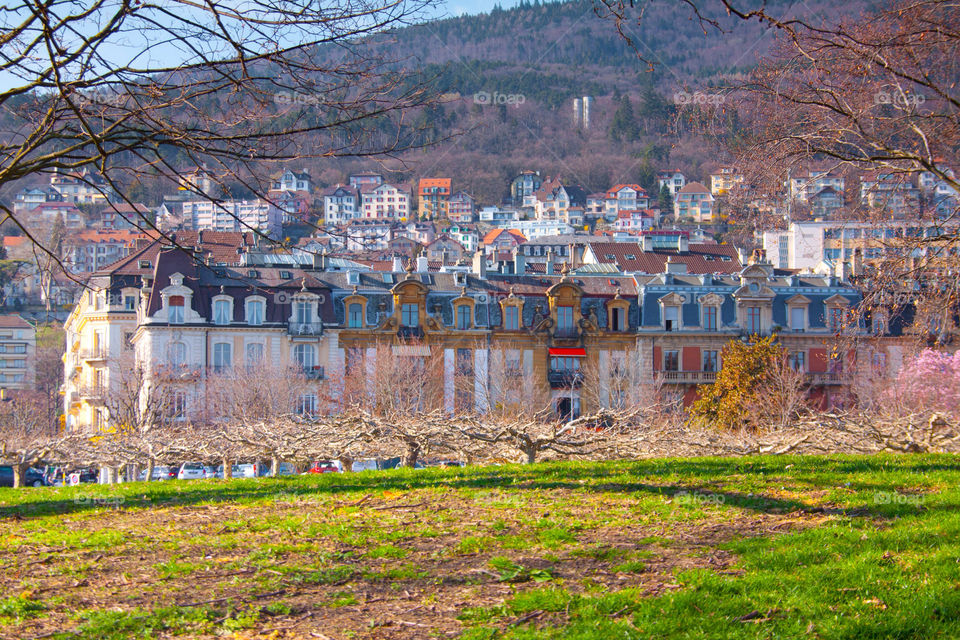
column 464, row 362
column 753, row 320
column 836, row 318
column 175, row 310
column 565, row 318
column 221, row 356
column 355, row 316
column 511, row 319
column 463, row 316
column 671, row 318
column 617, row 320
column 410, row 315
column 304, row 313
column 796, row 318
column 307, row 405
column 709, row 318
column 710, row 361
column 129, row 303
column 254, row 353
column 671, row 360
column 560, row 363
column 798, row 361
column 178, row 405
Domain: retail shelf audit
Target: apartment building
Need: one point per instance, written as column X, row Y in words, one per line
column 341, row 203
column 384, row 201
column 434, row 198
column 695, row 202
column 18, row 353
column 233, row 216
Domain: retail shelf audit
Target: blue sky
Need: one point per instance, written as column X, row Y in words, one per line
column 470, row 7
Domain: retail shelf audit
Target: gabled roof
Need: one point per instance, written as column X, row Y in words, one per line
column 693, row 187
column 493, row 234
column 614, row 190
column 13, row 321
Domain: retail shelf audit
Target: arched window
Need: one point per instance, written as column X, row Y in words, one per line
column 305, row 356
column 177, row 354
column 222, row 312
column 254, row 353
column 222, row 356
column 255, row 312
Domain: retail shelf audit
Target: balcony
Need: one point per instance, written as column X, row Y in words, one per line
column 93, row 392
column 94, row 353
column 313, row 373
column 306, row 329
column 825, row 379
column 174, row 372
column 564, row 378
column 410, row 332
column 688, row 377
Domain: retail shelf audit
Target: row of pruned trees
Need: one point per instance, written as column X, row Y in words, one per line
column 388, row 403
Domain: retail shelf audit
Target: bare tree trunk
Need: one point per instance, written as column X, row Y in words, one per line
column 19, row 473
column 411, row 455
column 151, row 464
column 531, row 454
column 274, row 466
column 227, row 468
column 346, row 464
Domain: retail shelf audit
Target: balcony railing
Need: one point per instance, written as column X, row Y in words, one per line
column 688, row 377
column 93, row 391
column 410, row 332
column 567, row 333
column 178, row 372
column 826, row 378
column 564, row 378
column 296, row 328
column 94, row 353
column 313, row 373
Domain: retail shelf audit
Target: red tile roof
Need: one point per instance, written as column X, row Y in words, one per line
column 700, row 259
column 14, row 321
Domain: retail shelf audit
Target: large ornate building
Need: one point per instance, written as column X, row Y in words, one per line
column 569, row 342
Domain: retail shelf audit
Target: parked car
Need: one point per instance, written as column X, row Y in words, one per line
column 59, row 477
column 191, row 471
column 209, row 472
column 160, row 472
column 32, row 477
column 247, row 470
column 324, row 466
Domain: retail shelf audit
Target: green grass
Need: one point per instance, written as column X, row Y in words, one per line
column 828, row 547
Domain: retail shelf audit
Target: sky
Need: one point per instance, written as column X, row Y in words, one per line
column 471, row 7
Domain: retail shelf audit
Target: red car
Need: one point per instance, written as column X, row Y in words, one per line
column 324, row 466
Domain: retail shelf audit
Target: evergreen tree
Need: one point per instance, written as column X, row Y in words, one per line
column 624, row 125
column 665, row 199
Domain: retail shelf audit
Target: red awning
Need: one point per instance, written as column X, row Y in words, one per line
column 577, row 352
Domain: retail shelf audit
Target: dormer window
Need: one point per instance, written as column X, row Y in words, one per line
column 355, row 315
column 753, row 320
column 463, row 316
column 410, row 315
column 222, row 311
column 671, row 318
column 511, row 318
column 255, row 311
column 175, row 310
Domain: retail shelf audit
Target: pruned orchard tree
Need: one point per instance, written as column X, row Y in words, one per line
column 248, row 410
column 142, row 91
column 27, row 436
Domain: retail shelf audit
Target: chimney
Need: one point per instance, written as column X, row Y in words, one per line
column 519, row 262
column 444, row 257
column 572, row 255
column 551, row 261
column 647, row 242
column 683, row 243
column 423, row 265
column 674, row 266
column 397, row 264
column 480, row 265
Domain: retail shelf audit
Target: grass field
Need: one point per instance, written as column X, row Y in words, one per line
column 786, row 547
